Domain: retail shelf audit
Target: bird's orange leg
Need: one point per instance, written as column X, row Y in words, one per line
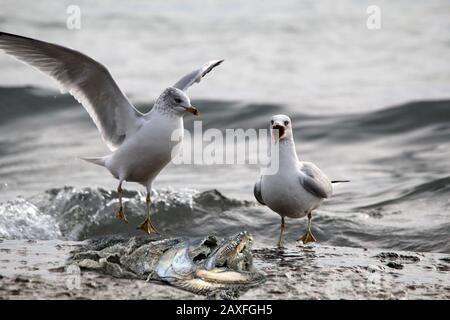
column 147, row 225
column 280, row 240
column 308, row 236
column 120, row 214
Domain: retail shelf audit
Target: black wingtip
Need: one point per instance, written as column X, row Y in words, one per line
column 2, row 34
column 12, row 35
column 212, row 67
column 339, row 181
column 216, row 64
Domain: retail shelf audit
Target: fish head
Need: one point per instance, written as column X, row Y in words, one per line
column 211, row 264
column 233, row 252
column 182, row 260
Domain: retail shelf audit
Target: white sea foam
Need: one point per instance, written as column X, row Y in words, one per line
column 20, row 219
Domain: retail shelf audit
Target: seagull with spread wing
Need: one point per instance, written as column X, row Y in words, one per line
column 298, row 187
column 141, row 144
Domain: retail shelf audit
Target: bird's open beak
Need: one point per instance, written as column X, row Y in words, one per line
column 192, row 110
column 278, row 132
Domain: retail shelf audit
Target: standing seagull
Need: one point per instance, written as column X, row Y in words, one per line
column 141, row 144
column 298, row 187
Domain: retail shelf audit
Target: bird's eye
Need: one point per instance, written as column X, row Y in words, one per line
column 271, row 121
column 286, row 123
column 177, row 100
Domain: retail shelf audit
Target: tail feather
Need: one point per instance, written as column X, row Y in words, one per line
column 98, row 161
column 339, row 181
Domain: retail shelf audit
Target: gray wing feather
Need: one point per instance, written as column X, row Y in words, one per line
column 257, row 192
column 84, row 78
column 315, row 181
column 196, row 75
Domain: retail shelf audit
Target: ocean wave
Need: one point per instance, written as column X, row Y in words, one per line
column 20, row 219
column 355, row 231
column 21, row 101
column 405, row 117
column 17, row 102
column 77, row 214
column 396, row 158
column 428, row 191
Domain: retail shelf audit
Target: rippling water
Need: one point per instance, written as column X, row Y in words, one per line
column 369, row 106
column 396, row 159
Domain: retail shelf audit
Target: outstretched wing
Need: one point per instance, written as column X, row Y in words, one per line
column 196, row 75
column 315, row 181
column 257, row 192
column 84, row 78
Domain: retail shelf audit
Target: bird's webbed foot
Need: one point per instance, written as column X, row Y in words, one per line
column 148, row 227
column 307, row 237
column 121, row 215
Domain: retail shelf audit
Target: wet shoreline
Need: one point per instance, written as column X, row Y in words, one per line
column 38, row 269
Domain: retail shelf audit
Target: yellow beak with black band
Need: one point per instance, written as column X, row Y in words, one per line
column 192, row 110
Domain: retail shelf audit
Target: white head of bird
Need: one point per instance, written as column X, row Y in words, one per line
column 175, row 101
column 281, row 128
